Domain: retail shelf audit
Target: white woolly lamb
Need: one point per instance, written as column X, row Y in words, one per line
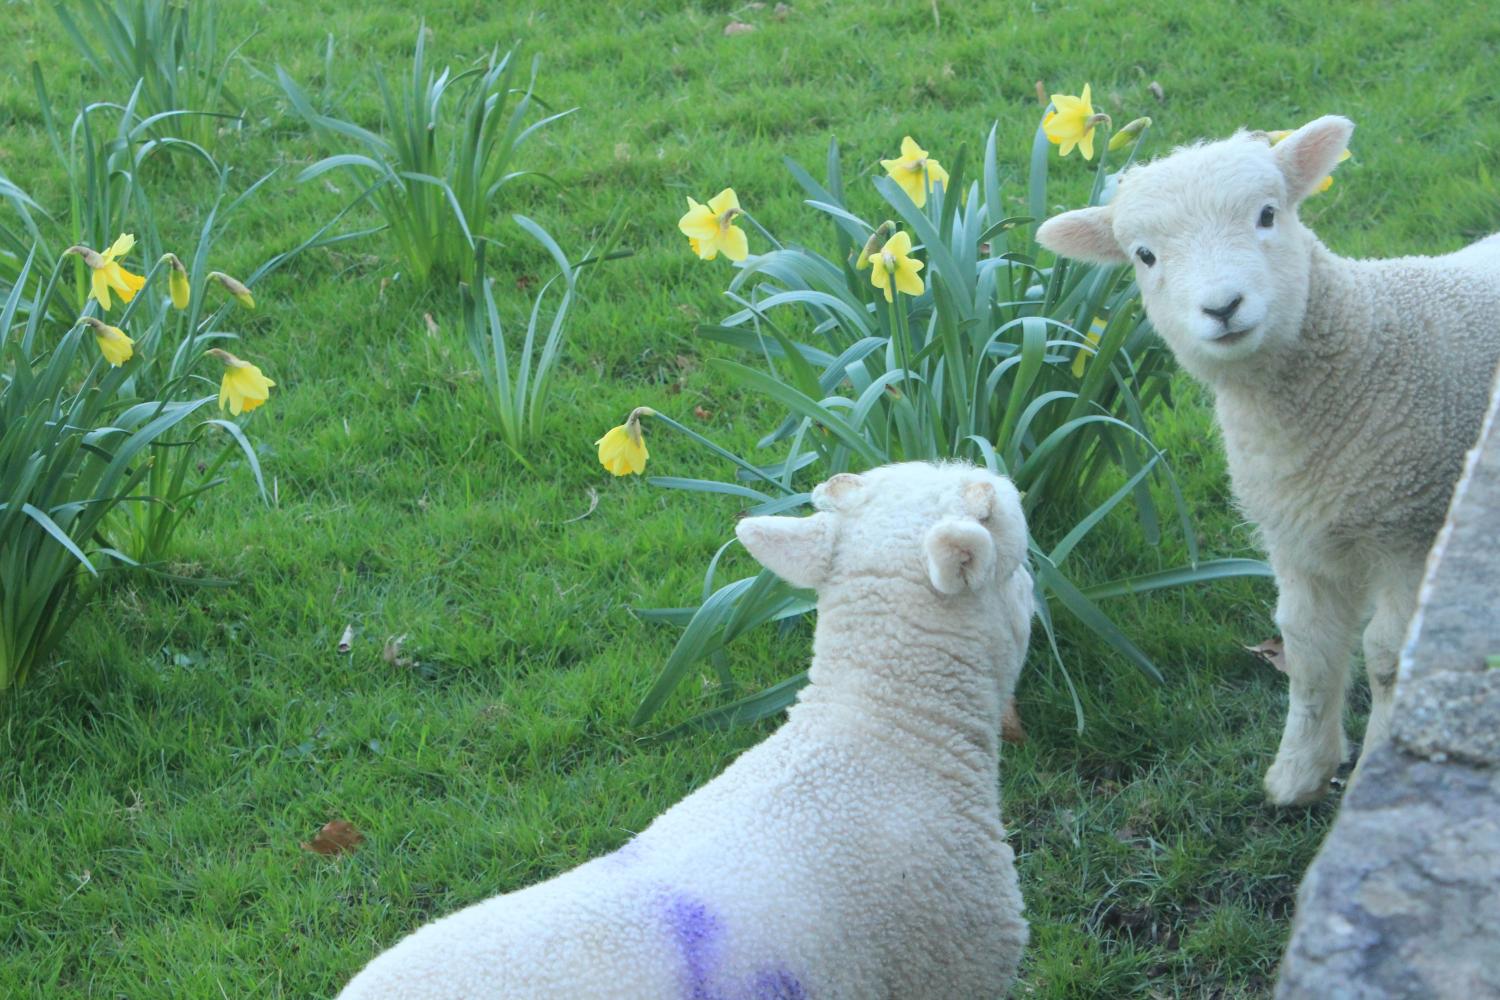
column 857, row 853
column 1347, row 392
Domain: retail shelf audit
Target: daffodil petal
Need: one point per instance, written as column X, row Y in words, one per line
column 724, row 201
column 734, row 244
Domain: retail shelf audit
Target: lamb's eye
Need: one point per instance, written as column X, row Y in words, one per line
column 1267, row 217
column 1146, row 256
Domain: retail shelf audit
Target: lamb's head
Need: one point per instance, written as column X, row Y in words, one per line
column 953, row 531
column 1220, row 255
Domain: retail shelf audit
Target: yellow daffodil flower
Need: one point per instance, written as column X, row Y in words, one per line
column 1128, row 134
column 1071, row 123
column 1095, row 334
column 915, row 171
column 108, row 272
column 113, row 342
column 710, row 230
column 1327, row 182
column 622, row 450
column 244, row 387
column 234, row 287
column 177, row 281
column 892, row 267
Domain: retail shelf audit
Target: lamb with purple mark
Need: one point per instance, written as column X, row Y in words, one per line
column 858, row 852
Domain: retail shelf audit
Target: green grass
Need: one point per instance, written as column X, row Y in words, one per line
column 158, row 781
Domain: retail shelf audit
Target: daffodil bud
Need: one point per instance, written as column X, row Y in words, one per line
column 1128, row 134
column 234, row 287
column 874, row 243
column 177, row 281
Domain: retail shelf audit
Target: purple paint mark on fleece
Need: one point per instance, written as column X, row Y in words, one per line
column 697, row 933
column 777, row 985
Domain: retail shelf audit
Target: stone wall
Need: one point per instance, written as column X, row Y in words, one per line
column 1403, row 900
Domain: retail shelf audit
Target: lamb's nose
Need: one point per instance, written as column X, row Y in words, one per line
column 1222, row 313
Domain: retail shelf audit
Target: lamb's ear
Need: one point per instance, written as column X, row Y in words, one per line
column 797, row 549
column 1083, row 234
column 1309, row 154
column 996, row 503
column 960, row 555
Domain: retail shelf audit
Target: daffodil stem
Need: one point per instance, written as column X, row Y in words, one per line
column 763, row 230
column 721, row 452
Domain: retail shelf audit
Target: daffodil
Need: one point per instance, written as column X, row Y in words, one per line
column 1327, row 182
column 1071, row 123
column 244, row 387
column 113, row 342
column 234, row 287
column 915, row 171
column 710, row 229
column 108, row 272
column 1095, row 334
column 622, row 450
column 1128, row 134
column 893, row 267
column 177, row 281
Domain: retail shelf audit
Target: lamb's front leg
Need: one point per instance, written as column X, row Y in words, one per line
column 1395, row 590
column 1318, row 615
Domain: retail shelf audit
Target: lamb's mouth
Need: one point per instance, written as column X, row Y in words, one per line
column 1233, row 336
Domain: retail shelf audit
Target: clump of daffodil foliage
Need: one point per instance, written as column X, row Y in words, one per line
column 122, row 406
column 441, row 167
column 940, row 332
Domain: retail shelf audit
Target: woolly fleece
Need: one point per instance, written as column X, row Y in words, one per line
column 858, row 852
column 1347, row 392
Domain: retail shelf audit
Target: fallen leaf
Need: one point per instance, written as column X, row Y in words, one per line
column 782, row 11
column 738, row 28
column 1156, row 91
column 593, row 505
column 701, row 413
column 432, row 327
column 1272, row 651
column 346, row 641
column 338, row 836
column 524, row 281
column 1041, row 94
column 1011, row 730
column 391, row 652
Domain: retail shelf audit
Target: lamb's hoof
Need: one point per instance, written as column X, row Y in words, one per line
column 1289, row 784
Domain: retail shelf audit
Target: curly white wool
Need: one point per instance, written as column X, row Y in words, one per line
column 858, row 852
column 1347, row 392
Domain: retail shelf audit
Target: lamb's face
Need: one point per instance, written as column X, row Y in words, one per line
column 1212, row 232
column 1219, row 256
column 954, row 530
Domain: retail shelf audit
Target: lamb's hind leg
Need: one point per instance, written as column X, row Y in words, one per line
column 1318, row 616
column 1395, row 601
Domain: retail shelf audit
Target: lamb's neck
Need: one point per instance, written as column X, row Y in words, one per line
column 937, row 685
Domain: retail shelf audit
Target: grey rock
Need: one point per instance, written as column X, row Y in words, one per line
column 1403, row 900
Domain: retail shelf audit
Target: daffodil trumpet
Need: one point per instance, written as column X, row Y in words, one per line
column 244, row 386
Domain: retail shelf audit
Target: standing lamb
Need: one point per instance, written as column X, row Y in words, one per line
column 1347, row 392
column 858, row 852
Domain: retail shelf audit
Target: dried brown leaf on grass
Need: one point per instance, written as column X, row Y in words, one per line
column 1011, row 730
column 738, row 28
column 338, row 836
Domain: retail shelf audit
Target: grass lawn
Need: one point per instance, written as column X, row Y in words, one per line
column 158, row 780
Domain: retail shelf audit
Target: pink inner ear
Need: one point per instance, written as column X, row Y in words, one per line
column 1309, row 155
column 1084, row 234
